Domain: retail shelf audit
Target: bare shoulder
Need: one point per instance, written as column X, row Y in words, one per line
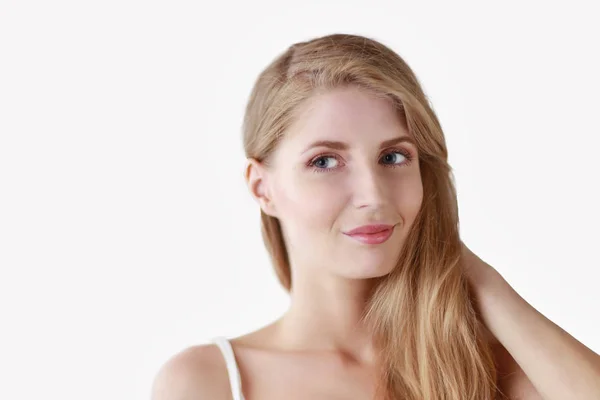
column 196, row 372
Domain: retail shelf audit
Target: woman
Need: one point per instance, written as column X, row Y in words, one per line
column 348, row 164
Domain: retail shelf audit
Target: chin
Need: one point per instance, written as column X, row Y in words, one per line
column 366, row 275
column 368, row 269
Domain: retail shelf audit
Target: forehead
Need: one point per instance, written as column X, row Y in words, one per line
column 347, row 113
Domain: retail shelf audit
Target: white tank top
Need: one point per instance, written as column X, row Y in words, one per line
column 232, row 367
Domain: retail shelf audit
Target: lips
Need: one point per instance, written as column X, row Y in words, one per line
column 371, row 234
column 369, row 229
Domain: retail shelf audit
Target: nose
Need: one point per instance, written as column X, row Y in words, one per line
column 370, row 188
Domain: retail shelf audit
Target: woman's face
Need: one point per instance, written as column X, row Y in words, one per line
column 367, row 174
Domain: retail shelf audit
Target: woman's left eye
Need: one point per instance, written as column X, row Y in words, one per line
column 390, row 157
column 397, row 158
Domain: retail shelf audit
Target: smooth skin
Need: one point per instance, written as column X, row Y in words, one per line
column 539, row 360
column 318, row 349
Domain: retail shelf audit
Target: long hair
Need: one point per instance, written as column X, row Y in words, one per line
column 424, row 323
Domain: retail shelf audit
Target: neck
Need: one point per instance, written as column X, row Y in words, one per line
column 325, row 314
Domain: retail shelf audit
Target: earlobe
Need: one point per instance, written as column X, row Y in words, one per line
column 257, row 180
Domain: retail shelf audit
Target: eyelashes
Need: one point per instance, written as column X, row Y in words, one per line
column 313, row 164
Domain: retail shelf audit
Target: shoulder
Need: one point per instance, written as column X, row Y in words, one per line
column 196, row 372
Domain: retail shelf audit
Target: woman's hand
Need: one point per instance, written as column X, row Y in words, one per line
column 536, row 358
column 478, row 272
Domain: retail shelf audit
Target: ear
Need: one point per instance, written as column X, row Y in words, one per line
column 256, row 176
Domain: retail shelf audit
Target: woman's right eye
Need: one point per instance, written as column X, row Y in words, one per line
column 322, row 163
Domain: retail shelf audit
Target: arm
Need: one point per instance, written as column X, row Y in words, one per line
column 543, row 360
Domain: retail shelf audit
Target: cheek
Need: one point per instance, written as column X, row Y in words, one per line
column 309, row 204
column 409, row 197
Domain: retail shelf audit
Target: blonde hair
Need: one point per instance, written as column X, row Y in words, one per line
column 422, row 315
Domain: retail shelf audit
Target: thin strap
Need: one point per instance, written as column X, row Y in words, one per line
column 232, row 368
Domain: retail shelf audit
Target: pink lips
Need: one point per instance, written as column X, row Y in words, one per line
column 371, row 234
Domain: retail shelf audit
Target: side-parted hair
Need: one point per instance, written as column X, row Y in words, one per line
column 422, row 315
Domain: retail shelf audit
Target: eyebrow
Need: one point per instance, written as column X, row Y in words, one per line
column 335, row 145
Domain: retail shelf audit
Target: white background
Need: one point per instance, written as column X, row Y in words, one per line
column 127, row 232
